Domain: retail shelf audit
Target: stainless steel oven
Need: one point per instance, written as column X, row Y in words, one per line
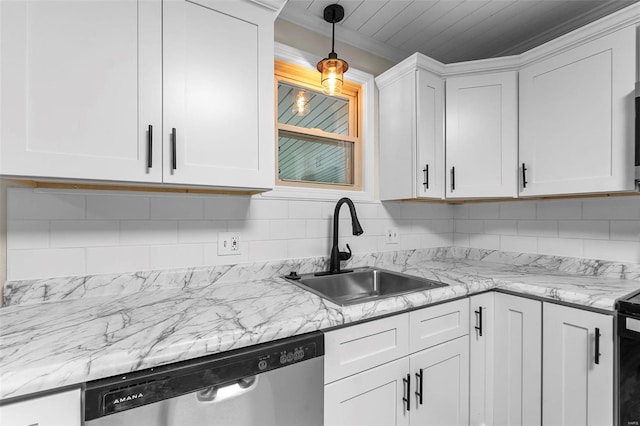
column 275, row 384
column 629, row 360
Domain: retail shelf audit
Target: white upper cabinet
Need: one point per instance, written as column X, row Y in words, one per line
column 411, row 107
column 80, row 86
column 576, row 118
column 482, row 135
column 99, row 100
column 218, row 93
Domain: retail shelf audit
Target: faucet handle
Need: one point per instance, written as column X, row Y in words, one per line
column 343, row 255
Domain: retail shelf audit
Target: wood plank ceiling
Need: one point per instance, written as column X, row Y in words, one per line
column 450, row 30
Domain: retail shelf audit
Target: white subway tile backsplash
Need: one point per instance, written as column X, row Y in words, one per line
column 285, row 229
column 268, row 250
column 519, row 244
column 84, row 233
column 105, row 260
column 268, row 209
column 176, row 256
column 518, row 210
column 148, row 232
column 559, row 209
column 625, row 230
column 621, row 251
column 484, row 241
column 305, row 209
column 501, row 227
column 177, row 207
column 104, row 206
column 307, row 247
column 200, row 231
column 38, row 204
column 561, row 247
column 53, row 233
column 319, row 228
column 611, row 208
column 585, row 229
column 484, row 211
column 27, row 234
column 224, row 208
column 538, row 228
column 461, row 240
column 468, row 226
column 250, row 230
column 45, row 263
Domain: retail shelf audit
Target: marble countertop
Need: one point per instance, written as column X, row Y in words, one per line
column 67, row 331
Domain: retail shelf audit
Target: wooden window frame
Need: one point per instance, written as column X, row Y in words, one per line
column 352, row 93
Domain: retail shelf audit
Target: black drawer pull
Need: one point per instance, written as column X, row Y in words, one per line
column 597, row 354
column 479, row 321
column 419, row 386
column 407, row 391
column 524, row 176
column 174, row 159
column 453, row 179
column 426, row 177
column 150, row 146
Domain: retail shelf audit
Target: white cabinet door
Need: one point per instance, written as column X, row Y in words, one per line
column 481, row 355
column 80, row 82
column 482, row 135
column 218, row 93
column 60, row 409
column 517, row 360
column 411, row 109
column 576, row 118
column 373, row 397
column 578, row 367
column 444, row 384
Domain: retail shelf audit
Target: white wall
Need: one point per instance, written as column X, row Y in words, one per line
column 599, row 228
column 58, row 233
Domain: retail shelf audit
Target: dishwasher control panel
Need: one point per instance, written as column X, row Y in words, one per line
column 116, row 394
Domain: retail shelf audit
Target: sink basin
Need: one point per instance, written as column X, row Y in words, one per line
column 362, row 285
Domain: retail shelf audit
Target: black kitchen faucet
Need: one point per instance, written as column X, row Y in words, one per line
column 336, row 254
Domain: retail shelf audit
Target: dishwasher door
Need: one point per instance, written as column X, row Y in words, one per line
column 279, row 383
column 288, row 396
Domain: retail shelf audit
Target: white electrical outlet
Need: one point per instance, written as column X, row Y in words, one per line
column 391, row 236
column 229, row 243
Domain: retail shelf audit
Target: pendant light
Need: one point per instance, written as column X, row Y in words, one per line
column 331, row 67
column 300, row 103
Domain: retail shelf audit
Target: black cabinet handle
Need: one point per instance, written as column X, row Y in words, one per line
column 479, row 321
column 407, row 390
column 419, row 386
column 150, row 146
column 453, row 179
column 597, row 355
column 426, row 177
column 524, row 176
column 174, row 159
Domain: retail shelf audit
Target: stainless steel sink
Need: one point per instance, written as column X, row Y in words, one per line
column 362, row 285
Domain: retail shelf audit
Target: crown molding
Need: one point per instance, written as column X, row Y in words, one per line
column 273, row 5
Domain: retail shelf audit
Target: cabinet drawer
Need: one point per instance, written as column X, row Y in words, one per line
column 357, row 348
column 434, row 325
column 62, row 409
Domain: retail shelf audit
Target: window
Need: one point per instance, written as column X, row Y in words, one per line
column 318, row 136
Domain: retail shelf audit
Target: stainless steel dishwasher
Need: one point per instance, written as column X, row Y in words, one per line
column 279, row 383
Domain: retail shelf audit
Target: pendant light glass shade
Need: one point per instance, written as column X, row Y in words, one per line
column 300, row 103
column 332, row 68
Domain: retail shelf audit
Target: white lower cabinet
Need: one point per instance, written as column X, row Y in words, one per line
column 370, row 398
column 60, row 409
column 376, row 372
column 578, row 367
column 517, row 360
